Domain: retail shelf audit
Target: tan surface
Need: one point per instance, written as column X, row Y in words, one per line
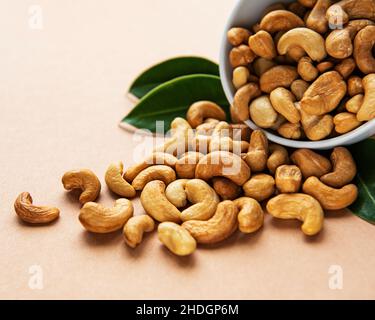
column 61, row 99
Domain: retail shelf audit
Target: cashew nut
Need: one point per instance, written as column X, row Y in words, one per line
column 311, row 41
column 241, row 56
column 241, row 77
column 185, row 166
column 324, row 66
column 278, row 76
column 311, row 163
column 201, row 143
column 34, row 214
column 346, row 67
column 201, row 110
column 363, row 49
column 290, row 131
column 207, row 127
column 355, row 86
column 367, row 110
column 298, row 206
column 355, row 103
column 179, row 141
column 283, row 102
column 157, row 158
column 156, row 204
column 159, row 172
column 344, row 169
column 280, row 20
column 176, row 238
column 278, row 157
column 262, row 45
column 257, row 155
column 176, row 194
column 343, row 11
column 308, row 3
column 260, row 187
column 330, row 198
column 223, row 164
column 325, row 94
column 225, row 188
column 218, row 228
column 99, row 219
column 317, row 20
column 307, row 70
column 238, row 36
column 262, row 65
column 84, row 179
column 239, row 132
column 339, row 43
column 242, row 99
column 250, row 216
column 262, row 112
column 299, row 88
column 345, row 122
column 288, row 179
column 135, row 228
column 116, row 183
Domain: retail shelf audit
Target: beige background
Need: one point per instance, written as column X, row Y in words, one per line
column 61, row 98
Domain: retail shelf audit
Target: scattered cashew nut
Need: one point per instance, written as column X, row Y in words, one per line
column 135, row 228
column 311, row 163
column 201, row 110
column 116, row 183
column 260, row 187
column 159, row 172
column 250, row 216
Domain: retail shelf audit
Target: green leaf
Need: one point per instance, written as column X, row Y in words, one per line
column 171, row 69
column 173, row 98
column 364, row 154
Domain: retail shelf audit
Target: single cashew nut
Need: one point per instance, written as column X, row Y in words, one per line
column 238, row 36
column 330, row 198
column 223, row 164
column 278, row 157
column 178, row 143
column 250, row 216
column 344, row 169
column 345, row 122
column 280, row 20
column 283, row 102
column 163, row 173
column 339, row 43
column 84, row 179
column 176, row 194
column 262, row 45
column 156, row 204
column 278, row 76
column 311, row 163
column 257, row 155
column 343, row 11
column 34, row 214
column 207, row 127
column 288, row 179
column 307, row 70
column 298, row 206
column 218, row 228
column 346, row 67
column 355, row 86
column 241, row 56
column 157, row 158
column 185, row 166
column 242, row 99
column 135, row 228
column 367, row 110
column 308, row 3
column 317, row 20
column 324, row 66
column 201, row 110
column 99, row 219
column 325, row 94
column 225, row 188
column 262, row 112
column 177, row 239
column 262, row 65
column 116, row 183
column 311, row 41
column 260, row 187
column 355, row 103
column 241, row 76
column 290, row 131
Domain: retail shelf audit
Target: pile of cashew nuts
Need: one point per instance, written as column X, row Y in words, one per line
column 208, row 180
column 307, row 69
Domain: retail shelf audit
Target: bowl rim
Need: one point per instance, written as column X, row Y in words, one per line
column 364, row 131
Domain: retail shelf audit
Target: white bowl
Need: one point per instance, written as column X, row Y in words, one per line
column 245, row 14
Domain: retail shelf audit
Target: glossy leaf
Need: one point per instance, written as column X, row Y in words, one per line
column 171, row 69
column 173, row 98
